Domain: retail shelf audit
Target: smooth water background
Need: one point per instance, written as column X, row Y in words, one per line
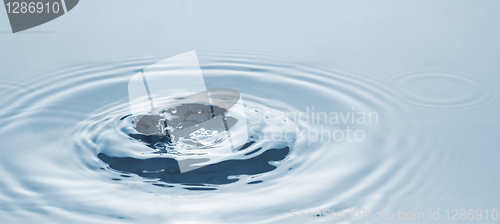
column 428, row 68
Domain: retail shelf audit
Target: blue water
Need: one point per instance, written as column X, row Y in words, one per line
column 425, row 74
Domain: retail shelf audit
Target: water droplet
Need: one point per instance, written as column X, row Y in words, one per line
column 199, row 111
column 174, row 111
column 179, row 126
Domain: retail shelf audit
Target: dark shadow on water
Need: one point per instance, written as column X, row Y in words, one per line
column 150, row 140
column 255, row 182
column 167, row 169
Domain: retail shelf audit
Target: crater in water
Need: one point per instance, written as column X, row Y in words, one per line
column 126, row 152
